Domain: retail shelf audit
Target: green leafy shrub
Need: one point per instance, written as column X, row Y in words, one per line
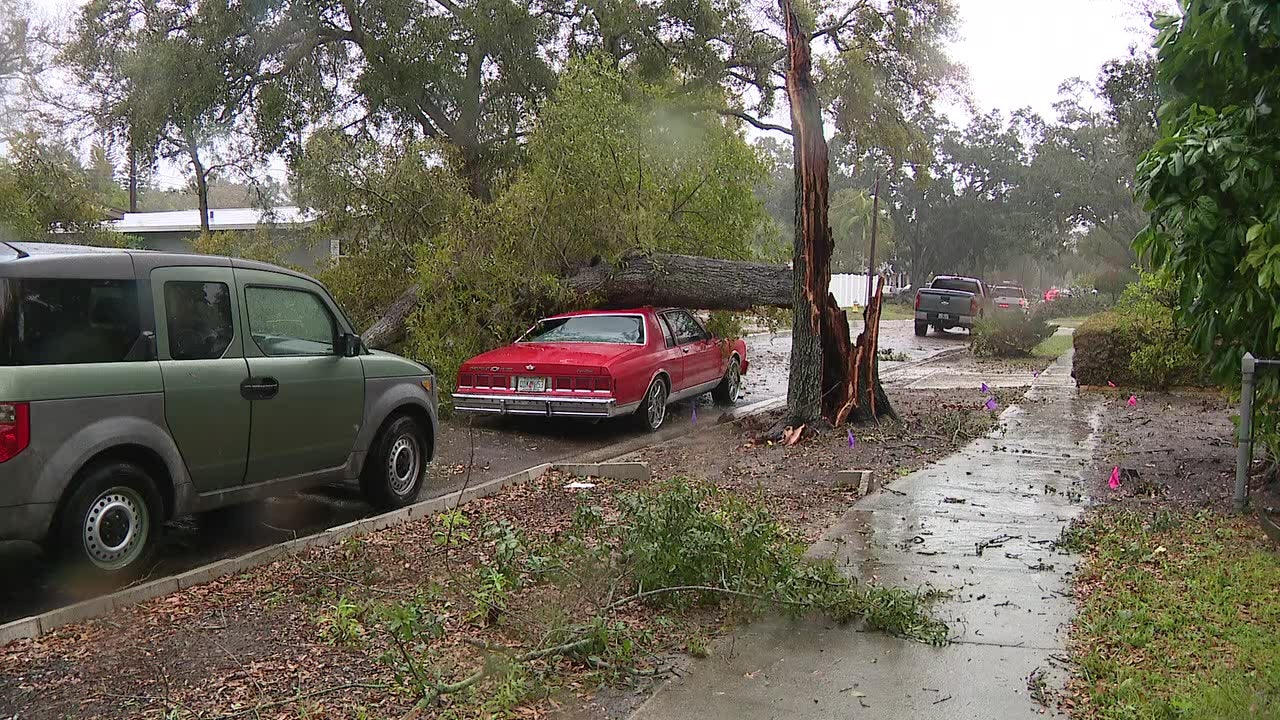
column 1009, row 336
column 1138, row 343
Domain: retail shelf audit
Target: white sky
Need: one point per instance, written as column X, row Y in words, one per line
column 1019, row 51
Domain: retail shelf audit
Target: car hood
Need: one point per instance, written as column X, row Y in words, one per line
column 518, row 355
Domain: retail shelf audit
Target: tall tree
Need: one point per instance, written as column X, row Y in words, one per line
column 162, row 76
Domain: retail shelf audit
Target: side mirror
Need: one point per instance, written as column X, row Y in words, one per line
column 348, row 345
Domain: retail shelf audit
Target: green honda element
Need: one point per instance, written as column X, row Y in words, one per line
column 138, row 386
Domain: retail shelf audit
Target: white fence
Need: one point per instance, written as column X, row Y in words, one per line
column 850, row 290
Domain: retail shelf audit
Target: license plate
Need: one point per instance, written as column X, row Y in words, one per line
column 944, row 316
column 531, row 384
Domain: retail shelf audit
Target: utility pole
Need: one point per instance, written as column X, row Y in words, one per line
column 133, row 180
column 871, row 262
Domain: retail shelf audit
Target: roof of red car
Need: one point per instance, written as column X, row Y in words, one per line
column 630, row 311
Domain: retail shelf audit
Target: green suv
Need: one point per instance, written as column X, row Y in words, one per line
column 138, row 386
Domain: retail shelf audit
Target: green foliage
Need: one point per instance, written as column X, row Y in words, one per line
column 452, row 529
column 681, row 534
column 1166, row 599
column 44, row 188
column 262, row 245
column 1211, row 186
column 1138, row 343
column 611, row 169
column 1082, row 301
column 1010, row 335
column 342, row 625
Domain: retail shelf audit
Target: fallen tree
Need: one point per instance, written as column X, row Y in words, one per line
column 636, row 280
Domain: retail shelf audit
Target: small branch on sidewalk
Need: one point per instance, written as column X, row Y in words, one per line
column 996, row 541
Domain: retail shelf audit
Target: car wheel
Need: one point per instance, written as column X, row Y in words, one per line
column 653, row 409
column 110, row 525
column 922, row 329
column 726, row 393
column 396, row 466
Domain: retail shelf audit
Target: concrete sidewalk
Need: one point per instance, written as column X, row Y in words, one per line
column 1012, row 492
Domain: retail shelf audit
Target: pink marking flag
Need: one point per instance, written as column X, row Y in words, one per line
column 1035, row 374
column 1114, row 482
column 991, row 404
column 1110, row 384
column 985, row 389
column 1133, row 401
column 852, row 440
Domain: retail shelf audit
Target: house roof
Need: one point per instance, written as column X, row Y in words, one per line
column 140, row 223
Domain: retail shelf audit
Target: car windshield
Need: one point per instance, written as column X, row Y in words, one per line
column 957, row 284
column 623, row 329
column 1008, row 291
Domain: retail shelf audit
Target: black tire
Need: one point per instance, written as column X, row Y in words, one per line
column 922, row 329
column 110, row 526
column 726, row 393
column 396, row 467
column 653, row 409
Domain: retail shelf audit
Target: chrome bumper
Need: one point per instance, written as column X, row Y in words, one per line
column 555, row 406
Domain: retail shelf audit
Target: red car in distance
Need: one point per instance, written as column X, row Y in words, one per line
column 603, row 364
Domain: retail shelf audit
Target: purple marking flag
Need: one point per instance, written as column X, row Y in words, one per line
column 985, row 389
column 991, row 404
column 694, row 418
column 852, row 440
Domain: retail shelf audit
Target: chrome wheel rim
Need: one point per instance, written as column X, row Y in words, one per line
column 657, row 404
column 403, row 465
column 735, row 381
column 116, row 528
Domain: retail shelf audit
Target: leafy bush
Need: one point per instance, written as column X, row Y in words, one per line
column 1009, row 336
column 1138, row 343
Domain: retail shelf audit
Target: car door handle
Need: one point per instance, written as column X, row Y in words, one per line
column 263, row 388
column 685, row 350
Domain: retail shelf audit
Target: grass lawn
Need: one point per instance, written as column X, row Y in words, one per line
column 888, row 311
column 1179, row 617
column 1052, row 346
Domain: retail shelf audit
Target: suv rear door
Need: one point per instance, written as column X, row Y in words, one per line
column 308, row 401
column 203, row 366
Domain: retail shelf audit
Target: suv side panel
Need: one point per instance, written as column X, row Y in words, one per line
column 72, row 432
column 384, row 396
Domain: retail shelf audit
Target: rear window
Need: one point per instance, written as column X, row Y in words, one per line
column 69, row 321
column 623, row 329
column 955, row 284
column 1008, row 291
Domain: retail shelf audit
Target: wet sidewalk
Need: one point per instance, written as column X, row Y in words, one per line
column 980, row 525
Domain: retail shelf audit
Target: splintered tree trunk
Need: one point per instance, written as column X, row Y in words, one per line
column 831, row 378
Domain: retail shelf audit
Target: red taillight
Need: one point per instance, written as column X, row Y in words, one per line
column 917, row 301
column 973, row 306
column 602, row 383
column 1004, row 305
column 15, row 429
column 466, row 380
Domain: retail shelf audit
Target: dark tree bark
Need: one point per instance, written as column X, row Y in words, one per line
column 638, row 280
column 831, row 379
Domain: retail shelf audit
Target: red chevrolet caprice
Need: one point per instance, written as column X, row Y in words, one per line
column 604, row 363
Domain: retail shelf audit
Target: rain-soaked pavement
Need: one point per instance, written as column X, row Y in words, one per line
column 979, row 524
column 502, row 446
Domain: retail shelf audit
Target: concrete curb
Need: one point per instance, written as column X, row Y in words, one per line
column 44, row 623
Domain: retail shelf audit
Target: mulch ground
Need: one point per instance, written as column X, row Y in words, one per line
column 286, row 640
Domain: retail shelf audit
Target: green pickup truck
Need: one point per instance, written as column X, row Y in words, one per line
column 950, row 301
column 138, row 386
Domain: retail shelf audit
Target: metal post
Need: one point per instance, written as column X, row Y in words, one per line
column 1244, row 441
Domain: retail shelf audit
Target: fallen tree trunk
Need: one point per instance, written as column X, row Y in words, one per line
column 637, row 280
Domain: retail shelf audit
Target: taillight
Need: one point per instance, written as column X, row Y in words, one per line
column 466, row 380
column 602, row 383
column 1004, row 305
column 917, row 301
column 15, row 429
column 973, row 306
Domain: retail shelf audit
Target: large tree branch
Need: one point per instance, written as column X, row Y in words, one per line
column 754, row 121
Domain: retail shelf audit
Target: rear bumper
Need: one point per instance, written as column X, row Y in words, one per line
column 26, row 522
column 952, row 319
column 554, row 406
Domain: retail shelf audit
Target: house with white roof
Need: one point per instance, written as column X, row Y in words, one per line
column 177, row 230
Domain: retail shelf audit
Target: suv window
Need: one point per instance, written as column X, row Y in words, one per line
column 685, row 327
column 198, row 315
column 61, row 321
column 288, row 322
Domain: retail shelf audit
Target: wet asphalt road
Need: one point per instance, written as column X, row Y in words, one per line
column 501, row 446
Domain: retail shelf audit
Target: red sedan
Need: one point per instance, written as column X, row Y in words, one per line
column 604, row 363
